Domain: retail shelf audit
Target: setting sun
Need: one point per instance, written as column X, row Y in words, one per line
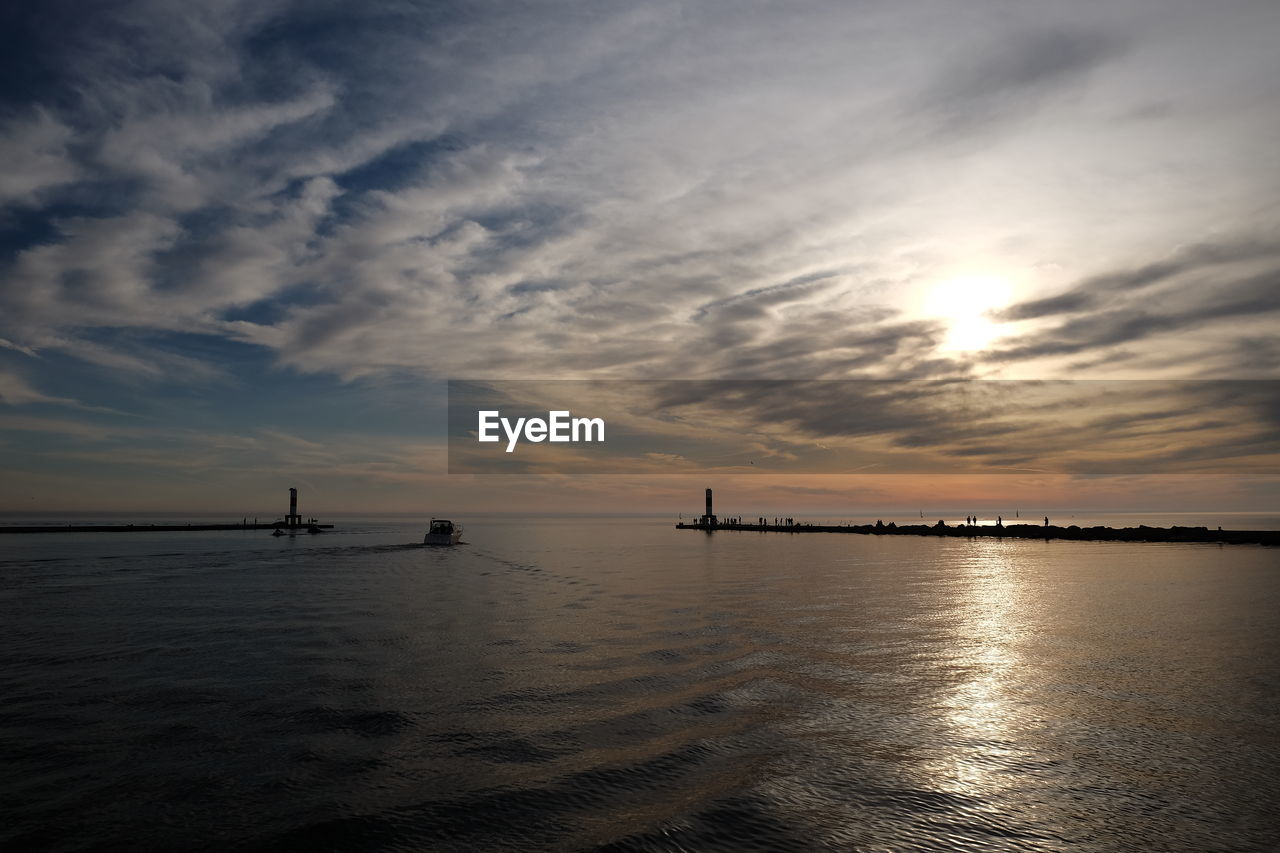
column 963, row 303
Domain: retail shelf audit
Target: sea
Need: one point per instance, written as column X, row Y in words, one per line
column 616, row 684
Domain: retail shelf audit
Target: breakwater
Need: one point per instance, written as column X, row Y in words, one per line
column 291, row 523
column 154, row 528
column 1141, row 533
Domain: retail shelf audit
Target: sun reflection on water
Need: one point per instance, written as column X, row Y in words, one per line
column 980, row 712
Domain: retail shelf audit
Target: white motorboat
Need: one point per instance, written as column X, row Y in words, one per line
column 442, row 532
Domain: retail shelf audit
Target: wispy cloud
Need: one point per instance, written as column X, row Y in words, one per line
column 34, row 150
column 1201, row 286
column 17, row 391
column 629, row 191
column 661, row 190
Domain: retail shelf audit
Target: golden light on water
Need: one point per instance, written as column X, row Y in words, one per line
column 980, row 710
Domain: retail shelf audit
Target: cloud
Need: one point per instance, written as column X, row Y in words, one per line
column 34, row 151
column 1100, row 289
column 1128, row 321
column 1016, row 73
column 611, row 190
column 10, row 345
column 953, row 426
column 16, row 391
column 105, row 448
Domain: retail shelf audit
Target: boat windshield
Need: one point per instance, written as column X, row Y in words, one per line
column 442, row 527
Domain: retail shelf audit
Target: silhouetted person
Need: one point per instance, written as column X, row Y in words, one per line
column 1046, row 521
column 999, row 521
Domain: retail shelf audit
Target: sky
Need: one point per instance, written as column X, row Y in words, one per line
column 245, row 246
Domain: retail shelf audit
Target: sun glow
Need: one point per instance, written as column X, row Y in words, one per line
column 963, row 303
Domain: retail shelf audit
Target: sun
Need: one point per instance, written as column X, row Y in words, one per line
column 963, row 303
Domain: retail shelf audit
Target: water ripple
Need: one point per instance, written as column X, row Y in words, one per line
column 624, row 688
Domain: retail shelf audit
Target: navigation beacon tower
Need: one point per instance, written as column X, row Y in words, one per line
column 709, row 519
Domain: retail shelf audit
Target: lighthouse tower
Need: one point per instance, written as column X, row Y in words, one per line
column 293, row 519
column 709, row 518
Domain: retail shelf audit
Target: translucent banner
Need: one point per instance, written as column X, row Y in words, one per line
column 1088, row 427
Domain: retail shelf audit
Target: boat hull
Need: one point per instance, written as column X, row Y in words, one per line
column 442, row 531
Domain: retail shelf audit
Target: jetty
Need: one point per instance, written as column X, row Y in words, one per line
column 291, row 523
column 708, row 522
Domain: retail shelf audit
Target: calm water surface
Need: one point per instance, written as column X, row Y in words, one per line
column 571, row 684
